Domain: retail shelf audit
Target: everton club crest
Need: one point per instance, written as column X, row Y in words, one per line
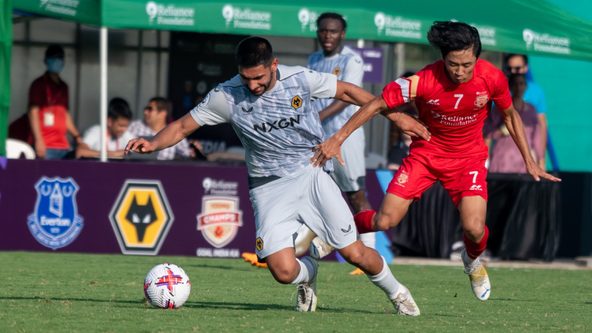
column 55, row 222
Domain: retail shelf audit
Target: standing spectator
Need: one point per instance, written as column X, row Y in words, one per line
column 119, row 116
column 505, row 156
column 156, row 114
column 518, row 64
column 347, row 65
column 49, row 115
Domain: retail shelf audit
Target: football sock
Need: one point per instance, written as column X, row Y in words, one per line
column 385, row 280
column 475, row 249
column 364, row 220
column 308, row 270
column 369, row 239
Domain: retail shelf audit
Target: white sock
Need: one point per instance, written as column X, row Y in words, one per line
column 308, row 270
column 369, row 239
column 386, row 281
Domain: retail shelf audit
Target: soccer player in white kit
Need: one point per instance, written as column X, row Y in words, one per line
column 348, row 66
column 268, row 106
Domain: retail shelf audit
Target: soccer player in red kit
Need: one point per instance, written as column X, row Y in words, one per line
column 453, row 96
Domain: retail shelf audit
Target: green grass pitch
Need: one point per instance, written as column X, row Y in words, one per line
column 58, row 292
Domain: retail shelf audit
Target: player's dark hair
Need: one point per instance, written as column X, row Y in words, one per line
column 511, row 55
column 119, row 108
column 454, row 36
column 333, row 16
column 54, row 51
column 162, row 104
column 253, row 51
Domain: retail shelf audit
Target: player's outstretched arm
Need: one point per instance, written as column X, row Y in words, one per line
column 332, row 147
column 408, row 124
column 514, row 124
column 169, row 136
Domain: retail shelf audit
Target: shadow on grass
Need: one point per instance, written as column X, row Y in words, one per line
column 246, row 267
column 208, row 305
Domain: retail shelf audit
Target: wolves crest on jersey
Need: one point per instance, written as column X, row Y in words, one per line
column 296, row 102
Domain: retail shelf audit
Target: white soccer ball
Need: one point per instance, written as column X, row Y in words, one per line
column 167, row 286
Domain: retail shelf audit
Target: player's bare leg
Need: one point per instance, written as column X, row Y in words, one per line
column 472, row 215
column 359, row 202
column 287, row 269
column 377, row 270
column 392, row 211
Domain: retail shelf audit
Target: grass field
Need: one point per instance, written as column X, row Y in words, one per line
column 57, row 292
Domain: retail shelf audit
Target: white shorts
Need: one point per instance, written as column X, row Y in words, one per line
column 346, row 176
column 309, row 196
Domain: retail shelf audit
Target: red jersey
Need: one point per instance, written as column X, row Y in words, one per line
column 454, row 113
column 52, row 100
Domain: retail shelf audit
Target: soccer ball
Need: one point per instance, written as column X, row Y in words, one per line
column 167, row 286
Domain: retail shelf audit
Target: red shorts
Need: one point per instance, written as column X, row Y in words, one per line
column 461, row 177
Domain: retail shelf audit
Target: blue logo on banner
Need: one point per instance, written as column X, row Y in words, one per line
column 55, row 222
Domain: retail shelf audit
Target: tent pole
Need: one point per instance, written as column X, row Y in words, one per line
column 103, row 93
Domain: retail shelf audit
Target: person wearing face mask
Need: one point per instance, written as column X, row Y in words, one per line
column 49, row 115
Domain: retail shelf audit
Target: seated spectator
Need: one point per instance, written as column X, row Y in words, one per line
column 119, row 116
column 156, row 114
column 217, row 143
column 504, row 156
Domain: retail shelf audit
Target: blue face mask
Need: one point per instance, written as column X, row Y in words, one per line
column 54, row 65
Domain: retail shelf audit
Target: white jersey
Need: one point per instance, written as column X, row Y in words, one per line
column 348, row 66
column 279, row 128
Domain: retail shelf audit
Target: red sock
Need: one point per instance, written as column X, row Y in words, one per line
column 364, row 221
column 475, row 249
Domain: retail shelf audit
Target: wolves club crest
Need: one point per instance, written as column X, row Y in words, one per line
column 55, row 222
column 141, row 217
column 296, row 102
column 219, row 220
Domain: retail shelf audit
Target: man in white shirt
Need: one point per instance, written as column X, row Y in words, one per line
column 268, row 105
column 348, row 66
column 117, row 136
column 156, row 115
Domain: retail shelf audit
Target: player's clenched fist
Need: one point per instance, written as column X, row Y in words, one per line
column 139, row 145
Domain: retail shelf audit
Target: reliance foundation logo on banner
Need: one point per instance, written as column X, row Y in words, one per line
column 397, row 26
column 544, row 42
column 220, row 217
column 170, row 14
column 63, row 7
column 245, row 18
column 308, row 20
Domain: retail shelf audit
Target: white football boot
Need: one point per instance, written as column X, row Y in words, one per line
column 306, row 293
column 404, row 302
column 478, row 277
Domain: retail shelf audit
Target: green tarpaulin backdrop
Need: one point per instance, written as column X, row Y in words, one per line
column 5, row 52
column 523, row 26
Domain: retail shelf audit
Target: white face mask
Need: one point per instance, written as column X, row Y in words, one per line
column 54, row 65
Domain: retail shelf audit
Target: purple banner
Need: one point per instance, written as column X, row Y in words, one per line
column 132, row 208
column 372, row 64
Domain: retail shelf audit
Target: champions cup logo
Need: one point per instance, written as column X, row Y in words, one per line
column 236, row 17
column 220, row 216
column 545, row 42
column 55, row 222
